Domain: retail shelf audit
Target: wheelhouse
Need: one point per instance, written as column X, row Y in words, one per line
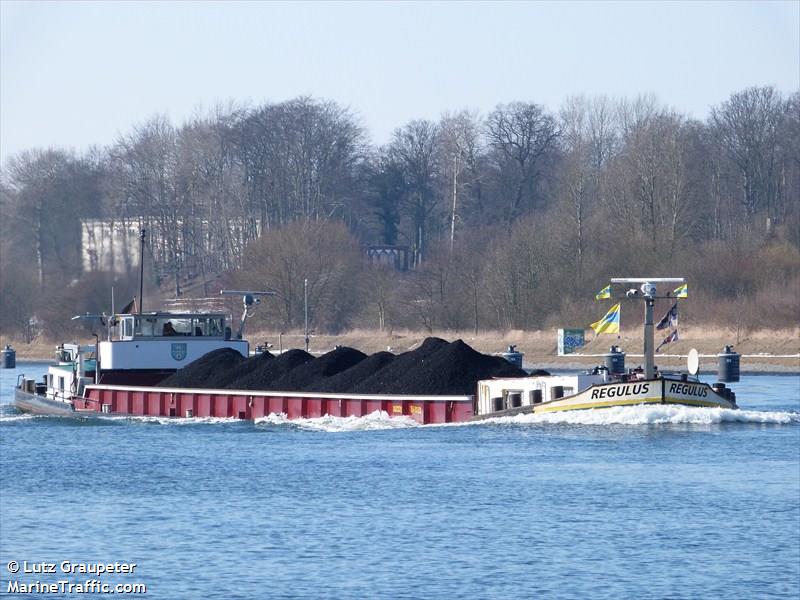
column 161, row 325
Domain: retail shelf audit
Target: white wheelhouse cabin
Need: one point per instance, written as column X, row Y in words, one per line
column 165, row 340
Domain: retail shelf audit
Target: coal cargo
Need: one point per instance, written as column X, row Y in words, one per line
column 222, row 377
column 346, row 380
column 411, row 360
column 198, row 373
column 452, row 370
column 272, row 370
column 435, row 368
column 314, row 372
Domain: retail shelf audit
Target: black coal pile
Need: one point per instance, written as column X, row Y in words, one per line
column 403, row 363
column 435, row 368
column 270, row 371
column 454, row 369
column 198, row 373
column 221, row 378
column 347, row 380
column 315, row 372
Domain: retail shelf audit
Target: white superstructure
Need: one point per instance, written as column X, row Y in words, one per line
column 161, row 340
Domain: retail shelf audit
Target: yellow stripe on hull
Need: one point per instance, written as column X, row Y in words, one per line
column 633, row 402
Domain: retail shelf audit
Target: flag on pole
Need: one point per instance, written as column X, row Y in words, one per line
column 604, row 293
column 681, row 291
column 670, row 319
column 672, row 337
column 129, row 308
column 609, row 323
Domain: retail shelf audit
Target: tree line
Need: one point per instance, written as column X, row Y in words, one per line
column 511, row 218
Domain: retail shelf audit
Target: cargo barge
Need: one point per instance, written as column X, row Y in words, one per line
column 137, row 401
column 121, row 377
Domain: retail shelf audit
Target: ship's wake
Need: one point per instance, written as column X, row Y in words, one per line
column 377, row 420
column 380, row 420
column 15, row 417
column 653, row 415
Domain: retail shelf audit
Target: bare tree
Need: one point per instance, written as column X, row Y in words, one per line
column 415, row 148
column 748, row 127
column 460, row 149
column 324, row 253
column 520, row 134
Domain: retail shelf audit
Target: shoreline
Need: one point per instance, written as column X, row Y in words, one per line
column 763, row 351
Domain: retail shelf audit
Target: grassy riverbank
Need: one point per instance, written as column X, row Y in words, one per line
column 763, row 350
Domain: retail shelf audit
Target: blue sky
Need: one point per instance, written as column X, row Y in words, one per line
column 73, row 74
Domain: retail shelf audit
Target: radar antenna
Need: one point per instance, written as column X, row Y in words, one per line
column 250, row 299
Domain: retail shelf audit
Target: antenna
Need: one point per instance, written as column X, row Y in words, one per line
column 142, row 236
column 250, row 298
column 648, row 280
column 89, row 316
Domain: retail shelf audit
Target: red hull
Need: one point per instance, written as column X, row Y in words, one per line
column 246, row 404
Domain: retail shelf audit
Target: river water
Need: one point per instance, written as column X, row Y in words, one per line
column 635, row 502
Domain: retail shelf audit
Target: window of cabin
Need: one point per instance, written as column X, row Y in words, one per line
column 200, row 326
column 208, row 326
column 172, row 326
column 216, row 326
column 147, row 327
column 183, row 326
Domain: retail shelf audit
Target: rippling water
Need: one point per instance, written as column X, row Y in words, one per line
column 632, row 502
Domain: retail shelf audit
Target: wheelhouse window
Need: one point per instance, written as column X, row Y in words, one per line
column 209, row 326
column 143, row 326
column 173, row 326
column 147, row 327
column 127, row 327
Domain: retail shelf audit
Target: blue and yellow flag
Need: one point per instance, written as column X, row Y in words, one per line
column 609, row 323
column 604, row 293
column 681, row 291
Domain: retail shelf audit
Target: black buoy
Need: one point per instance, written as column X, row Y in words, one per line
column 728, row 370
column 9, row 357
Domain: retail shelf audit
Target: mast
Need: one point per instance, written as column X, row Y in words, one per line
column 142, row 236
column 649, row 343
column 305, row 308
column 647, row 292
